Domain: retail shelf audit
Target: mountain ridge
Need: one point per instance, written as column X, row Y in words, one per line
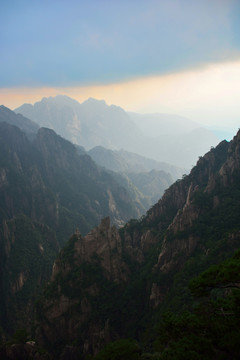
column 142, row 201
column 46, row 190
column 125, row 161
column 94, row 123
column 195, row 224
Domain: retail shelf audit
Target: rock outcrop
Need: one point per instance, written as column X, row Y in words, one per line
column 47, row 189
column 84, row 270
column 104, row 283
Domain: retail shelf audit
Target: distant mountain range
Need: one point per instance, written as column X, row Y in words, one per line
column 122, row 162
column 149, row 176
column 129, row 285
column 128, row 162
column 57, row 167
column 169, row 139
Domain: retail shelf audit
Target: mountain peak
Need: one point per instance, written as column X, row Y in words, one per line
column 94, row 122
column 22, row 122
column 92, row 101
column 59, row 100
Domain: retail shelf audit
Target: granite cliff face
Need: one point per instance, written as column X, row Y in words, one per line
column 28, row 249
column 46, row 190
column 210, row 174
column 52, row 166
column 104, row 286
column 103, row 242
column 90, row 270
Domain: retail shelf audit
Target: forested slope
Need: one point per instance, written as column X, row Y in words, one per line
column 112, row 285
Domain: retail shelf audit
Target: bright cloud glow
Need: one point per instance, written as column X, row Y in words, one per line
column 209, row 95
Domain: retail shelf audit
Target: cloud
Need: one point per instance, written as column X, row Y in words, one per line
column 209, row 95
column 71, row 43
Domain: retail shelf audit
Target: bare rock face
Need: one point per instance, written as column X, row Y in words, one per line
column 219, row 167
column 232, row 164
column 47, row 188
column 104, row 243
column 92, row 272
column 202, row 179
column 185, row 217
column 96, row 261
column 23, row 351
column 156, row 296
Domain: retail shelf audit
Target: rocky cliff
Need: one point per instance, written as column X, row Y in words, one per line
column 86, row 279
column 47, row 189
column 110, row 283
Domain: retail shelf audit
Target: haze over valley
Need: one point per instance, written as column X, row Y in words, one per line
column 120, row 180
column 170, row 139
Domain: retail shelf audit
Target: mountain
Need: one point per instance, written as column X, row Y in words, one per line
column 26, row 125
column 94, row 123
column 48, row 188
column 128, row 162
column 151, row 178
column 88, row 124
column 121, row 284
column 143, row 200
column 152, row 184
column 102, row 156
column 60, row 164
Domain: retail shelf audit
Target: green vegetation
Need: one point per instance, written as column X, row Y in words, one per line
column 212, row 329
column 223, row 276
column 20, row 336
column 125, row 349
column 170, row 287
column 32, row 248
column 47, row 191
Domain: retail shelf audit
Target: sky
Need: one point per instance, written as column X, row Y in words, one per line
column 176, row 56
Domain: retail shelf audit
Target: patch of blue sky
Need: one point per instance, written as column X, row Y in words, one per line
column 60, row 42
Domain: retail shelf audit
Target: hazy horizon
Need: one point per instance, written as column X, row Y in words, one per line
column 220, row 133
column 175, row 57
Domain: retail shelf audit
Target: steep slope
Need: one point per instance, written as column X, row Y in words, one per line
column 88, row 124
column 142, row 199
column 28, row 249
column 135, row 171
column 54, row 114
column 47, row 190
column 94, row 123
column 146, row 265
column 26, row 125
column 66, row 169
column 139, row 163
column 127, row 162
column 151, row 184
column 109, row 159
column 70, row 181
